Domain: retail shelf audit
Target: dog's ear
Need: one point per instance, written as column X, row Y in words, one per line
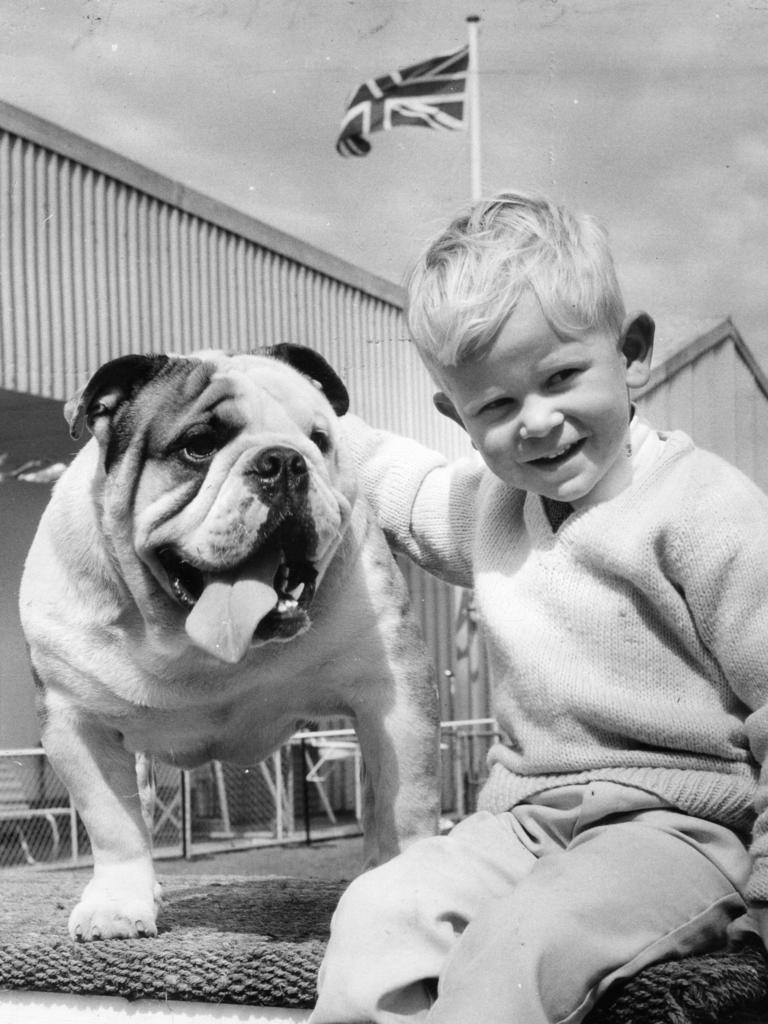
column 314, row 366
column 112, row 384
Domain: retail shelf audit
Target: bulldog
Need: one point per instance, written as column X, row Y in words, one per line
column 205, row 578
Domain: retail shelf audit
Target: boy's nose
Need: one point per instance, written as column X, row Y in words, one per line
column 538, row 419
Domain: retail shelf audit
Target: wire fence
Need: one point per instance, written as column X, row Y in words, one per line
column 37, row 821
column 309, row 789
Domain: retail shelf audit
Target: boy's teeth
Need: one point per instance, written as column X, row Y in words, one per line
column 558, row 453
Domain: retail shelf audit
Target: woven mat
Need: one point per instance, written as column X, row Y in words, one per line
column 259, row 941
column 255, row 941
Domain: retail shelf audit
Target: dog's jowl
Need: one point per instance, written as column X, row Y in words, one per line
column 204, row 578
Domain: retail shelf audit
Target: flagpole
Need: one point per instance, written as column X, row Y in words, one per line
column 473, row 84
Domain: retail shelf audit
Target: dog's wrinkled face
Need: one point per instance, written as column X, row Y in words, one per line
column 225, row 493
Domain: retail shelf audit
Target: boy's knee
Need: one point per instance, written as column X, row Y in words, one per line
column 365, row 895
column 372, row 901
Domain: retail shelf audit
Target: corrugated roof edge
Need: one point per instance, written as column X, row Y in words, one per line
column 683, row 340
column 82, row 150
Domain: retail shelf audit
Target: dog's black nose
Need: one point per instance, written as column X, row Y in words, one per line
column 280, row 470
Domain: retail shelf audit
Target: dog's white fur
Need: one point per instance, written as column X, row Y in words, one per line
column 118, row 674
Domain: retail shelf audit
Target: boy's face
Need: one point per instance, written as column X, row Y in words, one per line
column 549, row 415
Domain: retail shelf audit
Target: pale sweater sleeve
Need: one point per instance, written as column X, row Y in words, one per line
column 426, row 507
column 722, row 559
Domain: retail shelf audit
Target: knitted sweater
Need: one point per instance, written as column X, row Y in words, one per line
column 630, row 644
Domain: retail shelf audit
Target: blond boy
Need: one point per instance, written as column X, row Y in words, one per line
column 621, row 579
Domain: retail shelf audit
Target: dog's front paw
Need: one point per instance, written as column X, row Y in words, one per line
column 113, row 908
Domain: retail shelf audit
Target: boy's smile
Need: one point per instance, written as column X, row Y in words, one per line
column 550, row 414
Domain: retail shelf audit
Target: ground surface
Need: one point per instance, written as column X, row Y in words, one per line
column 333, row 859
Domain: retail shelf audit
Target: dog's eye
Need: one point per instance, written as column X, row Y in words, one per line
column 321, row 440
column 199, row 447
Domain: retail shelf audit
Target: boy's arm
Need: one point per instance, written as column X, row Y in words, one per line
column 425, row 507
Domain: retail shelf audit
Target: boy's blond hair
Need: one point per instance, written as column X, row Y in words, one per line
column 470, row 277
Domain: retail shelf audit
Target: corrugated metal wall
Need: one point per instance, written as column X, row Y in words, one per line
column 100, row 257
column 92, row 268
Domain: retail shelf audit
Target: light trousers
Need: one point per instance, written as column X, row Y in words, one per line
column 527, row 917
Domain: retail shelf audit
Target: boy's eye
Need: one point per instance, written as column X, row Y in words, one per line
column 497, row 404
column 562, row 377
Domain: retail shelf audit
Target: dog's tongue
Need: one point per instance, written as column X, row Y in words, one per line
column 230, row 608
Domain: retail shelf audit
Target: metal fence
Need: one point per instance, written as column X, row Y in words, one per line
column 37, row 822
column 308, row 790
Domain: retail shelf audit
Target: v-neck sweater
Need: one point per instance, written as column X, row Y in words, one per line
column 630, row 644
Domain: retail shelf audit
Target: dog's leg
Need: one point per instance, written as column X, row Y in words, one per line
column 121, row 899
column 145, row 776
column 368, row 818
column 401, row 781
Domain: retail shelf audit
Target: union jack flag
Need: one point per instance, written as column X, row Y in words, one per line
column 431, row 94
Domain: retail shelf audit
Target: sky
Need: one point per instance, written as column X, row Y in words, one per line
column 649, row 114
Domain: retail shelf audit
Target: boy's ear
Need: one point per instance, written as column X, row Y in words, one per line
column 444, row 405
column 637, row 345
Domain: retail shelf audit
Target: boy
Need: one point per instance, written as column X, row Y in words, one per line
column 620, row 578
